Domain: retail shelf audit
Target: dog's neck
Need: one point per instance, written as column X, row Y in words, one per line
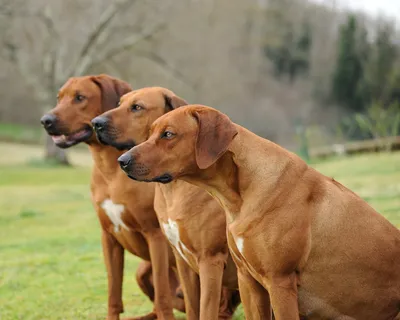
column 233, row 176
column 221, row 181
column 105, row 159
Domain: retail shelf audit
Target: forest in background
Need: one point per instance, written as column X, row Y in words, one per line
column 288, row 70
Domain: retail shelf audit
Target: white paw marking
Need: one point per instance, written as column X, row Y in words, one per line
column 240, row 244
column 171, row 230
column 114, row 212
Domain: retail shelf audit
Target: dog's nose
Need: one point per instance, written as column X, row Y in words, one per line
column 125, row 161
column 99, row 123
column 48, row 120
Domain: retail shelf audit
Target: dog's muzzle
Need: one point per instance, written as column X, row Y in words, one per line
column 48, row 121
column 125, row 162
column 99, row 124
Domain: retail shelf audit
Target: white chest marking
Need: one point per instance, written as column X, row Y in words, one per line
column 240, row 244
column 114, row 212
column 171, row 230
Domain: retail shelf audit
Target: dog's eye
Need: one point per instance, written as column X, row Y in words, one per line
column 136, row 107
column 79, row 98
column 167, row 135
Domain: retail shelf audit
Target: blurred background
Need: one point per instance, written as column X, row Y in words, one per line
column 321, row 78
column 278, row 67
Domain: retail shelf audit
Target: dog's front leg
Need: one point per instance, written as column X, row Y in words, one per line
column 211, row 271
column 114, row 260
column 144, row 278
column 255, row 298
column 159, row 259
column 283, row 294
column 190, row 284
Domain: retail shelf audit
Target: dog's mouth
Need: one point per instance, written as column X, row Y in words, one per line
column 164, row 179
column 108, row 140
column 133, row 177
column 66, row 141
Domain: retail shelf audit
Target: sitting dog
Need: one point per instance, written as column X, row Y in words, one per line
column 192, row 220
column 125, row 208
column 302, row 242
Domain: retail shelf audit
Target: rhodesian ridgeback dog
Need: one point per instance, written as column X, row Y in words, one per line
column 192, row 220
column 124, row 207
column 302, row 242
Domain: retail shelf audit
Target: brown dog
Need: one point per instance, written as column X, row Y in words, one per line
column 192, row 220
column 125, row 207
column 301, row 241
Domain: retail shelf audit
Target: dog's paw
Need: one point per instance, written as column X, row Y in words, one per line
column 150, row 316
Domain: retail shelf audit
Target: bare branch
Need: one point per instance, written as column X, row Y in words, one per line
column 11, row 53
column 50, row 59
column 84, row 58
column 128, row 44
column 13, row 8
column 167, row 67
column 47, row 20
column 31, row 78
column 5, row 8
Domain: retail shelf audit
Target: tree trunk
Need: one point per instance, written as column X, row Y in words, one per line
column 54, row 153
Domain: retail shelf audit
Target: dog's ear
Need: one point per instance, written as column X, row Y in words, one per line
column 112, row 89
column 215, row 133
column 173, row 101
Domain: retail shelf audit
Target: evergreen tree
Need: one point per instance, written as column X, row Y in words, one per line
column 287, row 43
column 380, row 72
column 348, row 74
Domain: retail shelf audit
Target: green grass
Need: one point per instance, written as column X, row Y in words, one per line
column 20, row 133
column 51, row 265
column 375, row 177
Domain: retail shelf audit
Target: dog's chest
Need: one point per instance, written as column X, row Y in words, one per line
column 114, row 212
column 171, row 230
column 239, row 243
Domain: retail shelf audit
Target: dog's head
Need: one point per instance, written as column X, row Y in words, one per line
column 181, row 142
column 129, row 124
column 80, row 100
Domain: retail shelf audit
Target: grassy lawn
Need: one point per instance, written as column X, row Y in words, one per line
column 51, row 264
column 20, row 133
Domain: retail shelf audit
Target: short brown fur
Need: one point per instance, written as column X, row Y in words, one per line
column 329, row 257
column 143, row 236
column 202, row 255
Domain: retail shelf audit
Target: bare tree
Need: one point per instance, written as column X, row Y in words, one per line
column 208, row 51
column 42, row 50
